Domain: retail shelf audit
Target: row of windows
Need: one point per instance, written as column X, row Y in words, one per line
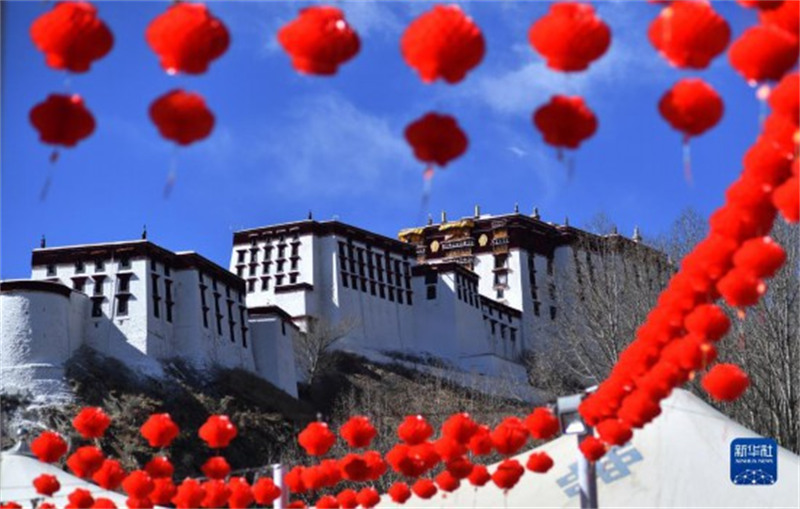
column 506, row 331
column 99, row 266
column 379, row 274
column 467, row 291
column 280, row 280
column 294, row 250
column 230, row 305
column 551, row 286
column 280, row 267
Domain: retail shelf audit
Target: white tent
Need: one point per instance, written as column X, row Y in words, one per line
column 17, row 472
column 682, row 459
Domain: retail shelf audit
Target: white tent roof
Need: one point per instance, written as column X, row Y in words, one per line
column 18, row 471
column 682, row 459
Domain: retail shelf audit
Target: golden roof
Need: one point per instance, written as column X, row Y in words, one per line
column 464, row 223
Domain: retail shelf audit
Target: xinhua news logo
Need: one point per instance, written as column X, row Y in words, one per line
column 754, row 461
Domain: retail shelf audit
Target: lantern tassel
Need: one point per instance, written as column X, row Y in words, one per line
column 762, row 94
column 687, row 161
column 570, row 164
column 49, row 180
column 172, row 176
column 427, row 185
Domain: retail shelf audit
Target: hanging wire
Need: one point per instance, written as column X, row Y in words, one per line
column 427, row 187
column 172, row 175
column 687, row 160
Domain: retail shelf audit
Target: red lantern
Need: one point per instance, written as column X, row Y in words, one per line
column 265, row 492
column 614, row 432
column 691, row 106
column 636, row 410
column 48, row 447
column 46, row 484
column 708, row 321
column 85, row 461
column 508, row 474
column 414, row 430
column 761, row 256
column 187, row 38
column 399, row 492
column 760, row 4
column 460, row 427
column 294, row 480
column 436, row 139
column 216, row 467
column 785, row 16
column 424, row 489
column 354, row 468
column 592, row 448
column 91, row 422
column 785, row 97
column 565, row 122
column 741, row 288
column 479, row 475
column 448, row 449
column 241, row 495
column 459, row 467
column 570, row 36
column 348, row 499
column 763, row 53
column 375, row 465
column 183, row 118
column 190, row 494
column 319, row 40
column 725, row 382
column 159, row 466
column 316, row 439
column 80, row 498
column 62, row 120
column 159, row 430
column 217, row 494
column 542, row 424
column 71, row 36
column 539, row 462
column 358, row 431
column 765, row 163
column 330, row 469
column 443, row 43
column 138, row 484
column 99, row 503
column 447, row 482
column 689, row 34
column 509, row 436
column 163, row 491
column 787, row 199
column 368, row 497
column 327, row 502
column 481, row 442
column 110, row 475
column 217, row 431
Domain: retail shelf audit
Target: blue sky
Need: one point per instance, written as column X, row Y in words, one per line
column 286, row 143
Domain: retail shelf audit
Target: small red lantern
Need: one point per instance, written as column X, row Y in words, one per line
column 80, row 498
column 785, row 97
column 691, row 106
column 508, row 474
column 184, row 118
column 565, row 122
column 763, row 53
column 49, row 447
column 399, row 492
column 479, row 475
column 190, row 493
column 741, row 288
column 689, row 34
column 159, row 467
column 481, row 442
column 85, row 461
column 216, row 467
column 592, row 448
column 460, row 427
column 570, row 36
column 319, row 40
column 509, row 436
column 443, row 43
column 424, row 488
column 787, row 199
column 163, row 491
column 539, row 462
column 110, row 475
column 761, row 256
column 368, row 498
column 436, row 139
column 354, row 468
column 217, row 431
column 187, row 37
column 358, row 431
column 316, row 439
column 327, row 502
column 217, row 494
column 265, row 492
column 725, row 382
column 138, row 484
column 785, row 16
column 348, row 499
column 414, row 430
column 159, row 430
column 62, row 120
column 71, row 36
column 46, row 484
column 708, row 321
column 614, row 432
column 446, row 481
column 542, row 424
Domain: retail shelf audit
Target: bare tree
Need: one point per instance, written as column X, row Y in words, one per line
column 687, row 230
column 313, row 348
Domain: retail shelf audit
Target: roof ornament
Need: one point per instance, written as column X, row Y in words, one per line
column 444, row 217
column 477, row 211
column 43, row 242
column 535, row 214
column 144, row 232
column 566, row 220
column 516, row 208
column 310, row 215
column 637, row 235
column 430, row 219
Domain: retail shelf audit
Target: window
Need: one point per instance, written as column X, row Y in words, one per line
column 244, row 326
column 267, row 252
column 166, row 270
column 400, row 296
column 344, row 279
column 501, row 279
column 98, row 287
column 512, row 334
column 430, row 278
column 552, row 312
column 264, row 284
column 203, row 304
column 123, row 283
column 218, row 312
column 382, row 290
column 168, row 298
column 78, row 284
column 231, row 322
column 391, row 294
column 97, row 308
column 503, row 331
column 99, row 266
column 294, row 263
column 500, row 294
column 279, row 280
column 241, row 254
column 267, row 266
column 156, row 297
column 153, row 265
column 408, row 298
column 122, row 305
column 494, row 327
column 251, row 285
column 240, row 271
column 252, row 270
column 281, row 252
column 253, row 255
column 372, row 286
column 537, row 308
column 295, row 249
column 280, row 265
column 124, row 263
column 431, row 292
column 293, row 278
column 283, row 327
column 500, row 261
column 80, row 267
column 51, row 270
column 550, row 265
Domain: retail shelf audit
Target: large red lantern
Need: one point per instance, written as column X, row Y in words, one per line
column 358, row 431
column 763, row 52
column 187, row 37
column 159, row 430
column 443, row 43
column 319, row 40
column 689, row 34
column 316, row 439
column 71, row 36
column 725, row 382
column 691, row 106
column 62, row 120
column 565, row 122
column 570, row 36
column 182, row 117
column 217, row 431
column 785, row 97
column 48, row 447
column 542, row 424
column 399, row 492
column 785, row 16
column 436, row 139
column 265, row 491
column 509, row 436
column 508, row 474
column 787, row 199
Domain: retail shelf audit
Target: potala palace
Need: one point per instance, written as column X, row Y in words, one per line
column 476, row 292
